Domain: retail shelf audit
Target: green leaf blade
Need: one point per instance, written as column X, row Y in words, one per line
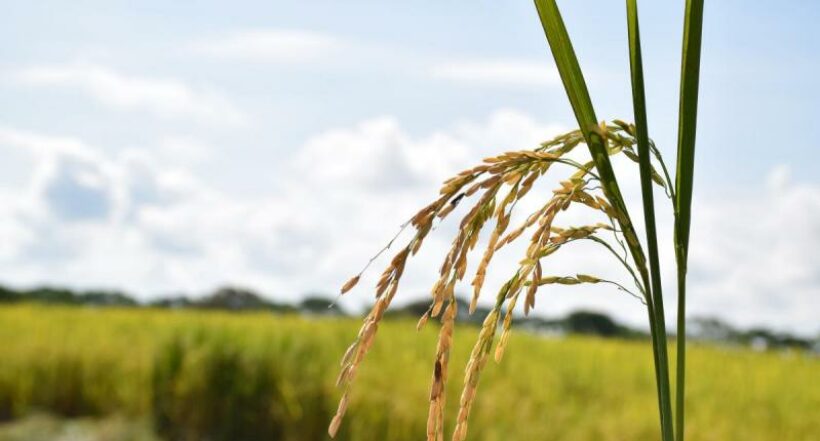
column 578, row 94
column 644, row 162
column 687, row 118
column 567, row 63
column 684, row 177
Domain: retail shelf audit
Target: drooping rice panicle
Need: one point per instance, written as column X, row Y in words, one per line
column 517, row 171
column 477, row 361
column 435, row 420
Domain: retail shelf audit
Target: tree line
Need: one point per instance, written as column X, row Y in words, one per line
column 230, row 298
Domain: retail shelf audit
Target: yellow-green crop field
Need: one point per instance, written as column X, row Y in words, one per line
column 219, row 376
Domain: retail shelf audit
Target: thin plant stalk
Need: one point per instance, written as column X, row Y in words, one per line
column 642, row 137
column 687, row 123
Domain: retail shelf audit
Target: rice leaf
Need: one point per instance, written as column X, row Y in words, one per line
column 642, row 136
column 578, row 94
column 687, row 124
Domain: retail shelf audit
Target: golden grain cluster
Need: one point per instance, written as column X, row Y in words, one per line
column 495, row 186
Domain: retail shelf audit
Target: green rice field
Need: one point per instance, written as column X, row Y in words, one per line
column 192, row 375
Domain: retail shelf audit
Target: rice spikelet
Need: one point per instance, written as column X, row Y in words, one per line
column 482, row 184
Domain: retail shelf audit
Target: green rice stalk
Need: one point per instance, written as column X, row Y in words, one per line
column 687, row 123
column 642, row 136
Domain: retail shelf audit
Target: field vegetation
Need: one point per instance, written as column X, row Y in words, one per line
column 194, row 375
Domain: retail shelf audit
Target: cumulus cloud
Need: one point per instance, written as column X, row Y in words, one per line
column 79, row 219
column 754, row 255
column 133, row 221
column 281, row 46
column 363, row 182
column 165, row 98
column 77, row 191
column 497, row 72
column 68, row 181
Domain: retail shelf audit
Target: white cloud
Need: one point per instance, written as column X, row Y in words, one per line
column 165, row 98
column 754, row 255
column 379, row 150
column 499, row 72
column 271, row 46
column 64, row 169
column 177, row 234
column 80, row 214
column 344, row 194
column 184, row 150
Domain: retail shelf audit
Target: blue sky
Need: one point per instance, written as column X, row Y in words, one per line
column 167, row 147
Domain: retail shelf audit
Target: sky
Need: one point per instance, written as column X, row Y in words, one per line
column 172, row 147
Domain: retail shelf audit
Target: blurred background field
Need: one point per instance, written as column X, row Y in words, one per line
column 72, row 372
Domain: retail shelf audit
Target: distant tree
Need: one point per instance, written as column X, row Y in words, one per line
column 543, row 325
column 320, row 305
column 414, row 309
column 711, row 329
column 179, row 301
column 232, row 298
column 239, row 299
column 106, row 298
column 586, row 322
column 8, row 295
column 51, row 295
column 761, row 338
column 793, row 342
column 419, row 307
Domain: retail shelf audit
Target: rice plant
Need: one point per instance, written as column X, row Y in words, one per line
column 495, row 186
column 275, row 374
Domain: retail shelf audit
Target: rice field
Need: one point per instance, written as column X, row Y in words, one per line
column 192, row 375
